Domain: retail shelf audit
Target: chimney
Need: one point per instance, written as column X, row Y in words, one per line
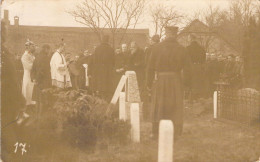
column 6, row 17
column 16, row 21
column 171, row 31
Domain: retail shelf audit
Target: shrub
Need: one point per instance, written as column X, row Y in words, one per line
column 84, row 121
column 80, row 133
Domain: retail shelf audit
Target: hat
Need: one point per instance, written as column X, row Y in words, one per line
column 62, row 43
column 171, row 31
column 156, row 38
column 28, row 43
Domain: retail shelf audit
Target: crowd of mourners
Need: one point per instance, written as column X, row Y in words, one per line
column 164, row 71
column 100, row 71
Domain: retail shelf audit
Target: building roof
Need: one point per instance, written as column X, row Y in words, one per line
column 203, row 28
column 188, row 28
column 77, row 29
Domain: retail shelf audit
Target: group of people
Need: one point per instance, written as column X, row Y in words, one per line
column 216, row 69
column 228, row 69
column 164, row 71
column 99, row 72
column 207, row 70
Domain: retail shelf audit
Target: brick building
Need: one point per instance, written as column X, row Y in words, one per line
column 77, row 38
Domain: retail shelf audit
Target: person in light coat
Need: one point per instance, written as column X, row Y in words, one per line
column 59, row 71
column 27, row 61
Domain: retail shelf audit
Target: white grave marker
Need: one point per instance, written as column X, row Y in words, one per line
column 86, row 74
column 122, row 104
column 165, row 145
column 132, row 92
column 215, row 103
column 135, row 122
column 119, row 89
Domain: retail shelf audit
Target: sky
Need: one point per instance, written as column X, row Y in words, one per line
column 53, row 12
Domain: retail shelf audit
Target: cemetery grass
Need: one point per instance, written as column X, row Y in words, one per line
column 203, row 140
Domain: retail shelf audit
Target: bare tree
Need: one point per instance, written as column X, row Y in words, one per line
column 117, row 15
column 163, row 16
column 230, row 24
column 196, row 15
column 242, row 10
column 210, row 17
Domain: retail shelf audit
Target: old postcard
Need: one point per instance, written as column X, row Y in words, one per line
column 130, row 80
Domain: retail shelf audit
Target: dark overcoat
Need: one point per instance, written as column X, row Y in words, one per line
column 120, row 63
column 212, row 75
column 41, row 72
column 198, row 57
column 135, row 62
column 102, row 65
column 167, row 61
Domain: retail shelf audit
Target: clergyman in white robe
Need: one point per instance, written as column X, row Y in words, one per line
column 59, row 71
column 27, row 88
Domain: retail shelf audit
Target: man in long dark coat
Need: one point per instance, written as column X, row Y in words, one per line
column 41, row 74
column 198, row 58
column 120, row 66
column 154, row 40
column 167, row 61
column 147, row 96
column 135, row 62
column 74, row 70
column 212, row 74
column 102, row 69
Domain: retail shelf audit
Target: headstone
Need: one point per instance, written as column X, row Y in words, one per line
column 132, row 91
column 215, row 103
column 86, row 74
column 165, row 145
column 135, row 122
column 122, row 104
column 119, row 89
column 133, row 94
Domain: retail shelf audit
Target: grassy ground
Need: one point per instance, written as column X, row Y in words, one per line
column 203, row 140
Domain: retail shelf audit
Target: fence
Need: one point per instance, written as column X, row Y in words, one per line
column 242, row 106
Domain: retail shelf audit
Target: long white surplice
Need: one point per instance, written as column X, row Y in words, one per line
column 59, row 71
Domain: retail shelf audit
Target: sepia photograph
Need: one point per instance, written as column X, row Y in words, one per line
column 130, row 81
